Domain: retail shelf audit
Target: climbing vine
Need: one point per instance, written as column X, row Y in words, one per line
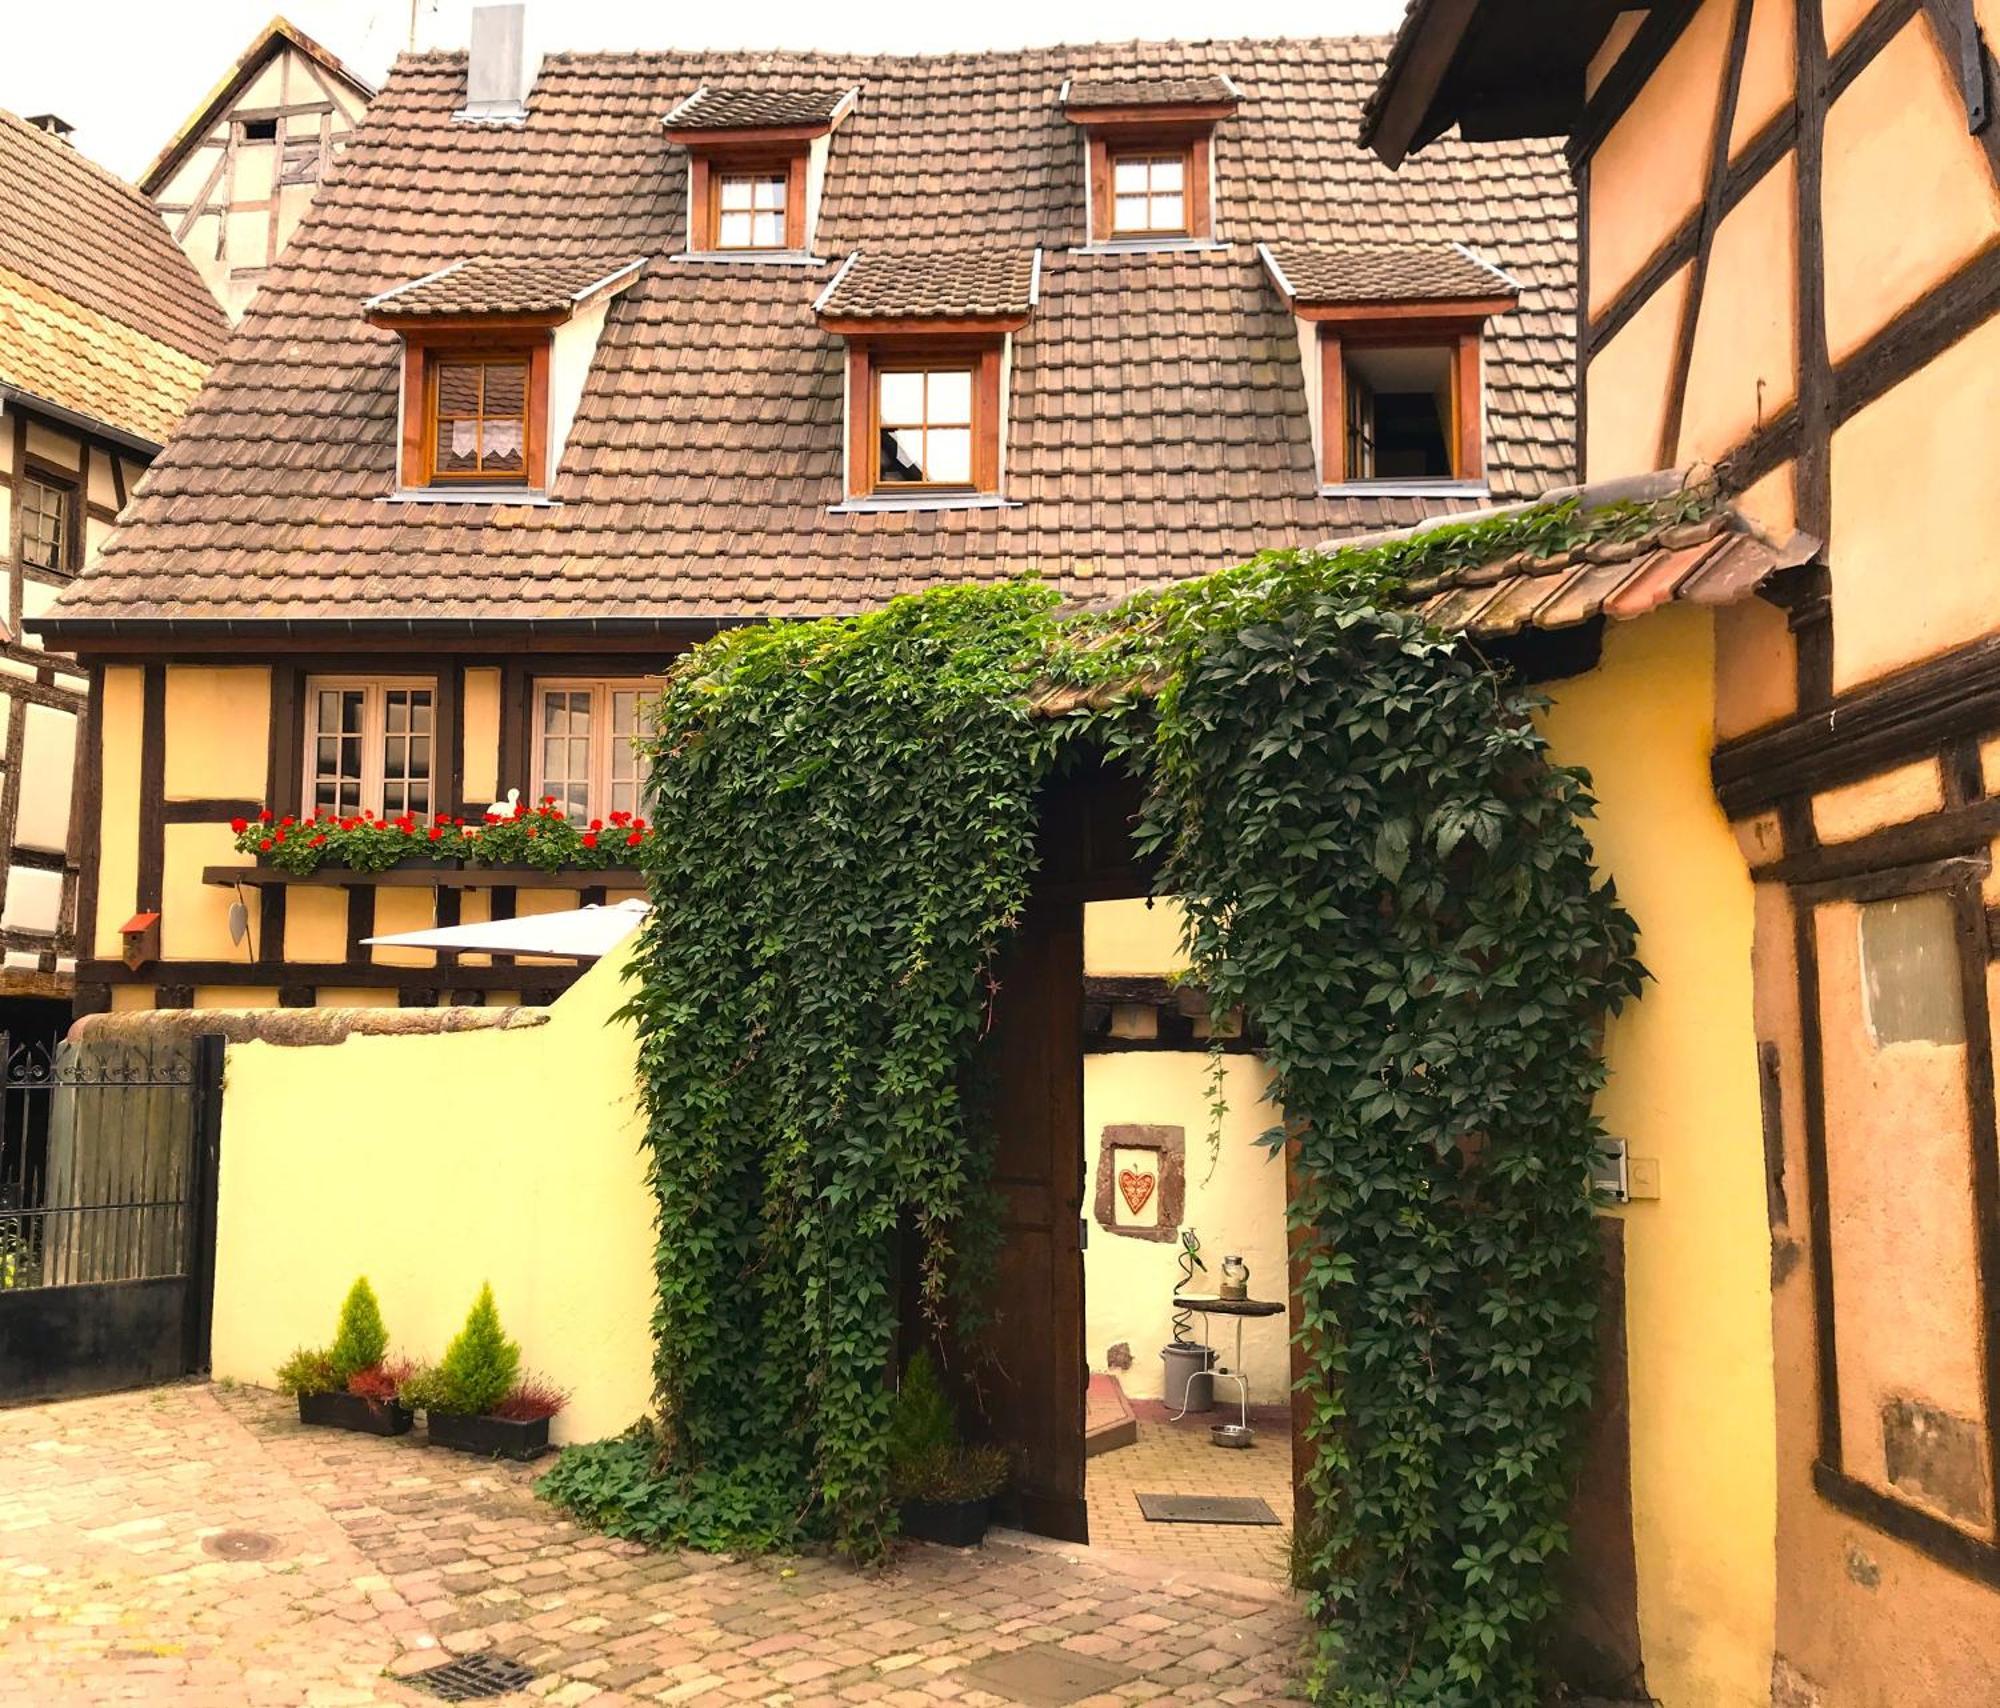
column 1378, row 863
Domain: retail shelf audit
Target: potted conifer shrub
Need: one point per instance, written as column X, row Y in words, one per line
column 350, row 1385
column 476, row 1399
column 943, row 1488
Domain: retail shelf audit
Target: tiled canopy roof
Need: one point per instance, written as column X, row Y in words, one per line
column 493, row 284
column 756, row 108
column 1088, row 92
column 1337, row 274
column 950, row 284
column 1157, row 421
column 101, row 313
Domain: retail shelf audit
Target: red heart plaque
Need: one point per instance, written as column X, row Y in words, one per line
column 1137, row 1188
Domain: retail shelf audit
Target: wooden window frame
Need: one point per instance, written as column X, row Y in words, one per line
column 1465, row 437
column 373, row 733
column 868, row 358
column 1960, row 878
column 70, row 485
column 705, row 174
column 600, row 689
column 1108, row 143
column 1184, row 152
column 423, row 348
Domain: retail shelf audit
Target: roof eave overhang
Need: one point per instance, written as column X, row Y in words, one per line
column 1404, row 309
column 1151, row 115
column 499, row 321
column 1419, row 60
column 703, row 141
column 145, row 634
column 76, row 418
column 922, row 326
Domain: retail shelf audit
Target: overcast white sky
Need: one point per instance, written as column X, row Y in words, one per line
column 127, row 72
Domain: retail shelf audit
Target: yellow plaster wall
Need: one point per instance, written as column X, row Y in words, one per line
column 122, row 709
column 218, row 732
column 1132, row 939
column 194, row 916
column 1916, row 504
column 512, row 1157
column 1886, row 798
column 403, row 909
column 1627, row 381
column 1647, row 175
column 1744, row 361
column 315, row 923
column 235, row 996
column 1235, row 1202
column 1896, row 143
column 1767, row 71
column 481, row 739
column 1683, row 1091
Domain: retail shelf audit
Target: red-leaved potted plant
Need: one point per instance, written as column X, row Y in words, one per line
column 350, row 1384
column 477, row 1400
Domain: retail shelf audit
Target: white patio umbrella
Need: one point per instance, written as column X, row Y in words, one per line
column 577, row 933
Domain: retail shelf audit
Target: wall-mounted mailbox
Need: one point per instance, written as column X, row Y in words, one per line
column 142, row 939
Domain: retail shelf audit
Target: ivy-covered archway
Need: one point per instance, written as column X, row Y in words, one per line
column 1377, row 859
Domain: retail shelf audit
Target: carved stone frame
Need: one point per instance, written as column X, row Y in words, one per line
column 1170, row 1145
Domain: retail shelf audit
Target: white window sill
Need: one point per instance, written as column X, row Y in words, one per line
column 1404, row 489
column 932, row 501
column 1152, row 246
column 521, row 495
column 749, row 258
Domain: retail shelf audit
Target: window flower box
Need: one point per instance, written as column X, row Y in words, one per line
column 537, row 839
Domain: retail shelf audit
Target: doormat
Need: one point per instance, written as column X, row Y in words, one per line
column 1044, row 1677
column 1206, row 1509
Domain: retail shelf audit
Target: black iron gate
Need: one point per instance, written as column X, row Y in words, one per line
column 107, row 1212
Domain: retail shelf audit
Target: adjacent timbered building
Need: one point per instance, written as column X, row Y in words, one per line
column 235, row 180
column 1791, row 266
column 563, row 371
column 106, row 333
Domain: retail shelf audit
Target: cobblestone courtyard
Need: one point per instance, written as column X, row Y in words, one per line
column 190, row 1545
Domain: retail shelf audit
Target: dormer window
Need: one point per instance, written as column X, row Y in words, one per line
column 1149, row 159
column 1149, row 192
column 756, row 165
column 1391, row 337
column 495, row 353
column 928, row 343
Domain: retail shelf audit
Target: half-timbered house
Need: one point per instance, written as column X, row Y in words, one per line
column 564, row 370
column 237, row 177
column 1791, row 267
column 106, row 333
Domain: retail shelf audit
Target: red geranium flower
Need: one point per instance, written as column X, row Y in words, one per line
column 597, row 824
column 264, row 816
column 239, row 825
column 437, row 832
column 635, row 839
column 264, row 846
column 590, row 839
column 281, row 836
column 317, row 840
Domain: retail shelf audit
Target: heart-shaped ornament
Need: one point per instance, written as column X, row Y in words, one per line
column 1137, row 1187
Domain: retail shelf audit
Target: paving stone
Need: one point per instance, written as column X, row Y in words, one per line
column 390, row 1557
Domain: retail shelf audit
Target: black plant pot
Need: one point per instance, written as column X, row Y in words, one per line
column 955, row 1523
column 355, row 1412
column 492, row 1437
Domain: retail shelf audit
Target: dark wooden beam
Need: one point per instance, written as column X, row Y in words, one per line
column 1665, row 24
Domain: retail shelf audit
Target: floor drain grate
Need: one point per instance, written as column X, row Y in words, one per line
column 472, row 1678
column 1206, row 1509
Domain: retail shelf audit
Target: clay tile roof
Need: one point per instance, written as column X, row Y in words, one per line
column 1088, row 92
column 1157, row 420
column 949, row 284
column 1332, row 275
column 494, row 284
column 1702, row 550
column 101, row 313
column 751, row 108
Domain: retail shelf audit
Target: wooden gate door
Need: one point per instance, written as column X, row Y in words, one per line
column 1034, row 1401
column 107, row 1214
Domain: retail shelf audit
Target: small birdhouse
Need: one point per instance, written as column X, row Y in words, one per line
column 142, row 939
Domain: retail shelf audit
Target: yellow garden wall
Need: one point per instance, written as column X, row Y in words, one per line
column 1683, row 1091
column 432, row 1163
